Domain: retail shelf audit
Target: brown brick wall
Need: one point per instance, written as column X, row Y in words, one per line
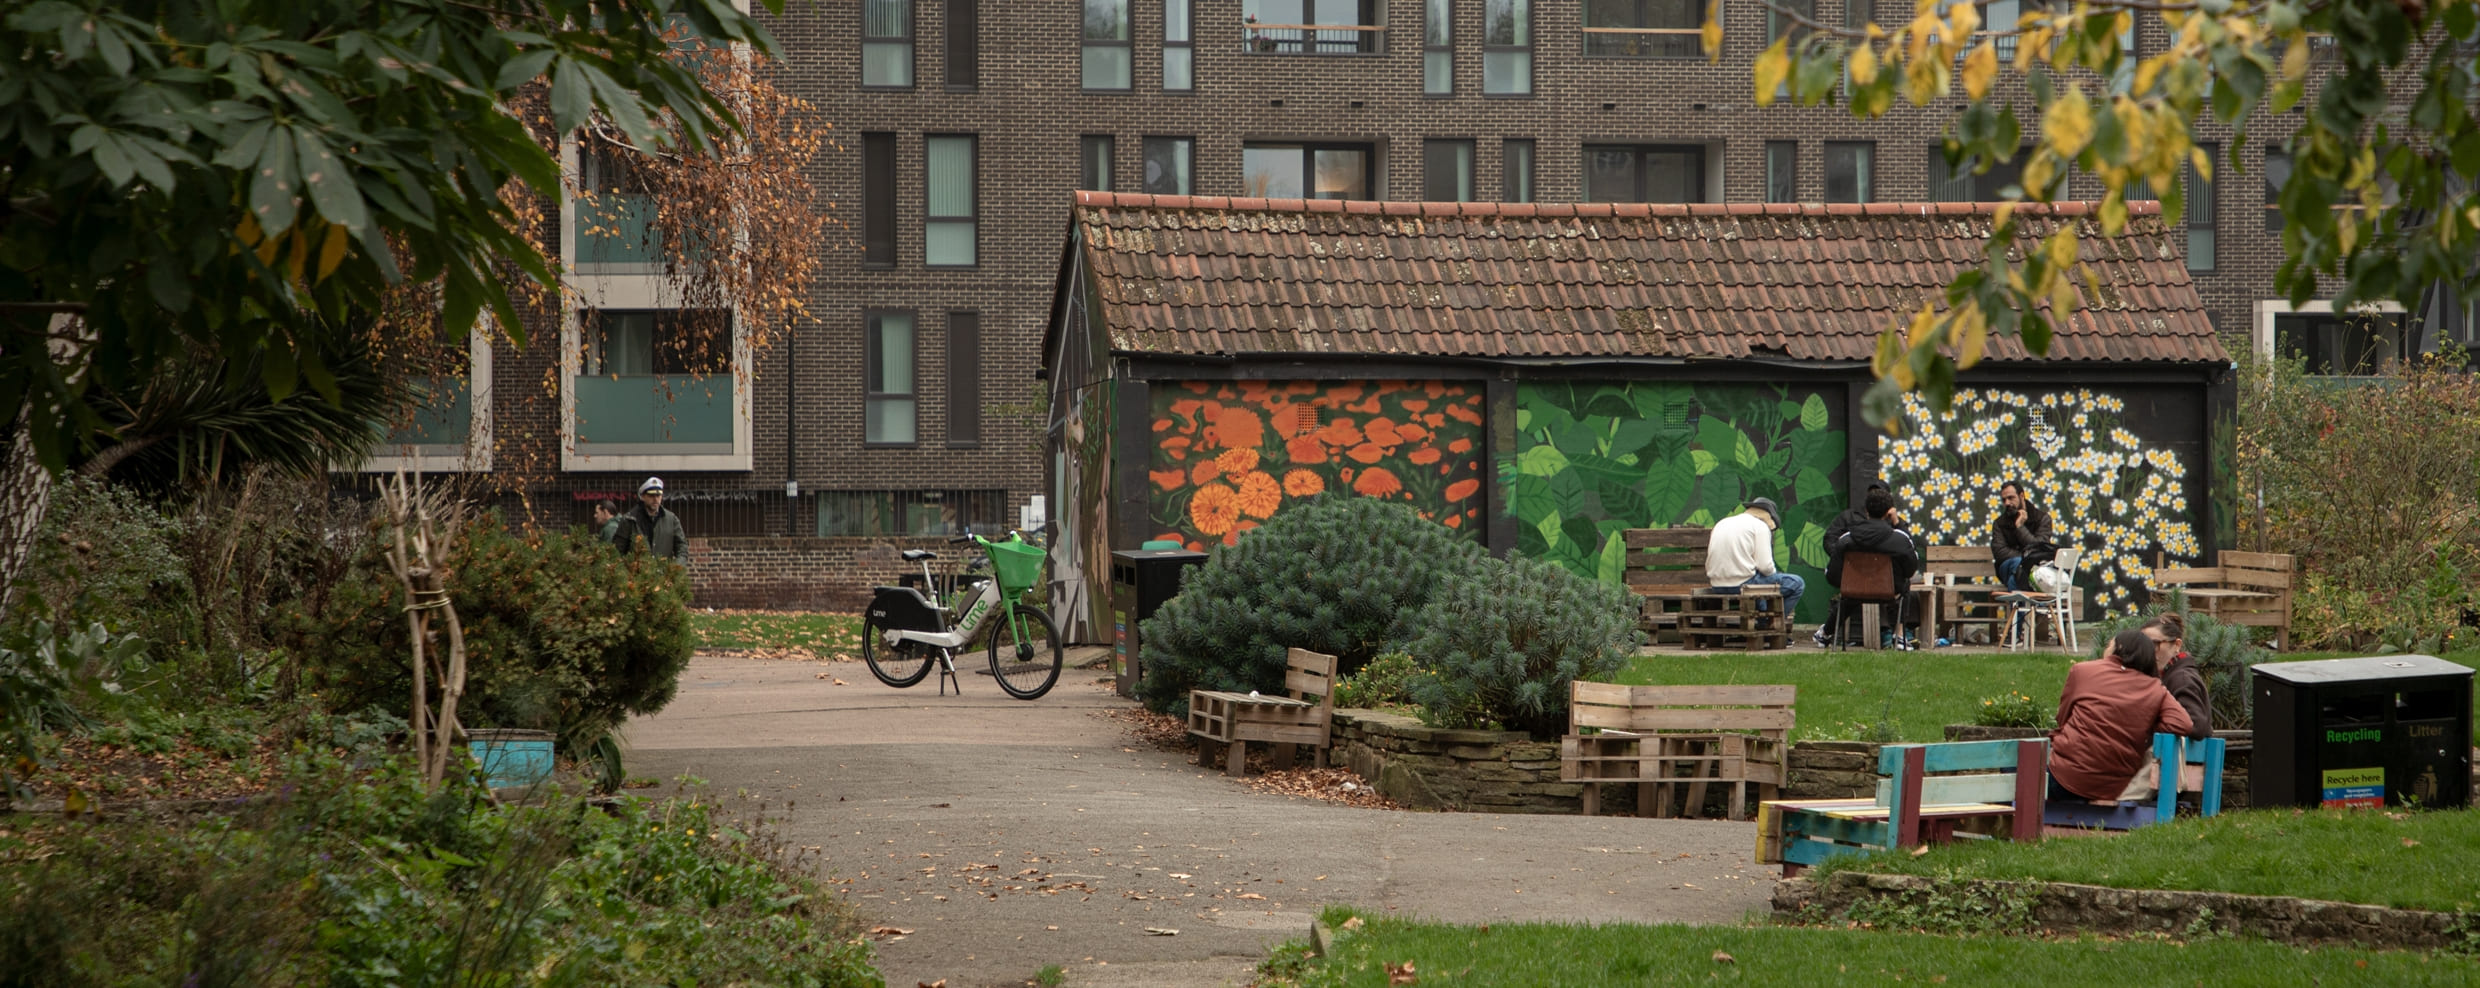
column 821, row 574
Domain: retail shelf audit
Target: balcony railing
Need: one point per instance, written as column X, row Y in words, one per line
column 616, row 228
column 443, row 417
column 1313, row 39
column 1644, row 42
column 674, row 410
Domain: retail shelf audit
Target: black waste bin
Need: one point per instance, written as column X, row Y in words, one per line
column 2387, row 730
column 1141, row 580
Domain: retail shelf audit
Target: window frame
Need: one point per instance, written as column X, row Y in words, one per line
column 1437, row 44
column 1866, row 180
column 1430, row 148
column 1858, row 14
column 2274, row 220
column 872, row 360
column 1186, row 147
column 1524, row 26
column 1509, row 150
column 910, row 39
column 2212, row 225
column 963, row 47
column 1185, row 43
column 1654, row 46
column 1777, row 26
column 894, row 505
column 1126, row 43
column 881, row 242
column 1086, row 159
column 964, row 378
column 1373, row 165
column 1699, row 154
column 1783, row 155
column 972, row 219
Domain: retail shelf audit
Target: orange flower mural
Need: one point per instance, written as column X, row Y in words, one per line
column 1229, row 454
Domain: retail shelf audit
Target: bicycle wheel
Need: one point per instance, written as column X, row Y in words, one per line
column 1024, row 652
column 899, row 666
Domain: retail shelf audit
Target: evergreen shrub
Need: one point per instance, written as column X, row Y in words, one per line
column 1504, row 638
column 561, row 633
column 1330, row 574
column 2223, row 654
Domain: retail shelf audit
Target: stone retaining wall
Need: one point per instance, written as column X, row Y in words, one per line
column 1439, row 769
column 2060, row 907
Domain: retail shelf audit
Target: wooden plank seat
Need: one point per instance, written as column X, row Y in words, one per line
column 2199, row 764
column 1229, row 721
column 1666, row 567
column 2246, row 588
column 1749, row 618
column 1961, row 582
column 1675, row 740
column 1981, row 788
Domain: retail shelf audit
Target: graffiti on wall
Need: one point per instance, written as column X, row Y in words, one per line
column 1229, row 454
column 1596, row 458
column 2106, row 489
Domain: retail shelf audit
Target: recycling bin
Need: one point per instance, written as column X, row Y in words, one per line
column 2389, row 730
column 1141, row 580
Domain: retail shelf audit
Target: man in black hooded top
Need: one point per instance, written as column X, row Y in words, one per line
column 1874, row 532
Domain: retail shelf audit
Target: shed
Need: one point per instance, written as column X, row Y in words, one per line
column 1541, row 376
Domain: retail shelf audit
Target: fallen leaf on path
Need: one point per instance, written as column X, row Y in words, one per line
column 1723, row 958
column 941, row 983
column 2408, row 842
column 1918, row 851
column 1161, row 931
column 890, row 931
column 1401, row 974
column 1352, row 924
column 1183, row 876
column 1251, row 895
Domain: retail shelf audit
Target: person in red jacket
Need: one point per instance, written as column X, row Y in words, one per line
column 2107, row 715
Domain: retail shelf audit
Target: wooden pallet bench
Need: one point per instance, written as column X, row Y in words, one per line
column 1673, row 739
column 1990, row 788
column 2199, row 770
column 1751, row 618
column 1666, row 567
column 2249, row 588
column 1228, row 721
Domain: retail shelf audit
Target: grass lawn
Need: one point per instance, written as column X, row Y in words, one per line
column 1846, row 695
column 779, row 634
column 1537, row 954
column 2404, row 860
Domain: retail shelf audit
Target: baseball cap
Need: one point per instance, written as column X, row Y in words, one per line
column 653, row 484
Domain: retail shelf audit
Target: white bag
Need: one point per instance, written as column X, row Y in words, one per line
column 2050, row 579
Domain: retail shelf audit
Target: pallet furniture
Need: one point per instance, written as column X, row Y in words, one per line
column 1666, row 567
column 1229, row 721
column 1668, row 738
column 2198, row 769
column 2250, row 588
column 1748, row 618
column 1991, row 788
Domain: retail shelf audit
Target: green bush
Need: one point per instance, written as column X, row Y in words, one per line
column 561, row 633
column 1331, row 574
column 107, row 554
column 1385, row 682
column 1503, row 639
column 2223, row 653
column 2012, row 709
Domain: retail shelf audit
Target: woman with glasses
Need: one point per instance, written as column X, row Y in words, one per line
column 2178, row 671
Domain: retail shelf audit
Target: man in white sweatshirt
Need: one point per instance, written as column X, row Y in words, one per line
column 1741, row 552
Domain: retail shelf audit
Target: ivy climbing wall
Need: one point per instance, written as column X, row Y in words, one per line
column 1230, row 454
column 1592, row 459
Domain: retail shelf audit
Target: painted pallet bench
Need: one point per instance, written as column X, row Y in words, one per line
column 1986, row 788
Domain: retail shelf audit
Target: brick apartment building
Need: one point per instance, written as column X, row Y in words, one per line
column 908, row 405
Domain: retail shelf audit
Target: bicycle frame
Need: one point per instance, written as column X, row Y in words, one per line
column 985, row 602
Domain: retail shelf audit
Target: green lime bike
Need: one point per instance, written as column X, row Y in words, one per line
column 905, row 632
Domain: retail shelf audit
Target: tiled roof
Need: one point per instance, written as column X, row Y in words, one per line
column 1198, row 275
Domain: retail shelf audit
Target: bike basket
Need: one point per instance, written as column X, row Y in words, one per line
column 1019, row 565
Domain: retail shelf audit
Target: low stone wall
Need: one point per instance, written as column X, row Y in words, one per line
column 1439, row 769
column 1832, row 770
column 804, row 574
column 2060, row 907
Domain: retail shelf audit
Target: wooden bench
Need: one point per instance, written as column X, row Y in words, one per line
column 1989, row 788
column 1663, row 738
column 1750, row 618
column 1961, row 582
column 1665, row 566
column 2198, row 770
column 2250, row 588
column 1231, row 720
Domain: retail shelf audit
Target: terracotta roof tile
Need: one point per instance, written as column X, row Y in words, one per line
column 1210, row 275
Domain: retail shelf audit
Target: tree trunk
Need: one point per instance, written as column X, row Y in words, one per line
column 25, row 493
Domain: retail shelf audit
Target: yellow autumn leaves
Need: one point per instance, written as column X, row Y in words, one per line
column 330, row 241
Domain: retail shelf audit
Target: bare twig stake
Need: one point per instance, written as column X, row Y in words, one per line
column 419, row 557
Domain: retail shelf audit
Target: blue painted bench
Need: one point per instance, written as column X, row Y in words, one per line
column 1994, row 788
column 2170, row 750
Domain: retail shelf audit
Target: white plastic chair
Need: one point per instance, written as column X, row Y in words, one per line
column 2025, row 610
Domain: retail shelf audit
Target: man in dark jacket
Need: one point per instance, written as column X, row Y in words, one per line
column 2179, row 673
column 649, row 525
column 2021, row 531
column 1842, row 523
column 1875, row 532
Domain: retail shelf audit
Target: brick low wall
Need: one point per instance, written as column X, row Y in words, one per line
column 1438, row 769
column 800, row 574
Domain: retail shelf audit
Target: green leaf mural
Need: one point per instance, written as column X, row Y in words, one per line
column 1596, row 458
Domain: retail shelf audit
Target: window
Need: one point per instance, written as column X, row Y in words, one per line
column 887, row 44
column 2350, row 343
column 1167, row 165
column 1094, row 162
column 1857, row 14
column 1779, row 26
column 1308, row 171
column 887, row 385
column 614, row 214
column 2277, row 171
column 1507, row 48
column 1107, row 56
column 911, row 512
column 1438, row 47
column 2203, row 214
column 1447, row 171
column 657, row 342
column 878, row 200
column 1850, row 168
column 1179, row 48
column 950, row 234
column 1312, row 27
column 1515, row 170
column 1643, row 28
column 1782, row 171
column 964, row 378
column 1956, row 183
column 1658, row 173
column 964, row 61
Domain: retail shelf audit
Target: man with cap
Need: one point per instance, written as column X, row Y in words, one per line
column 659, row 529
column 1741, row 552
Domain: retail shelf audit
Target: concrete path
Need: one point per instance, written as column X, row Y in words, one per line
column 1009, row 835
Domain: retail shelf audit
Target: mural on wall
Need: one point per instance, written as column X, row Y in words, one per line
column 1081, row 553
column 1229, row 454
column 2106, row 489
column 1595, row 458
